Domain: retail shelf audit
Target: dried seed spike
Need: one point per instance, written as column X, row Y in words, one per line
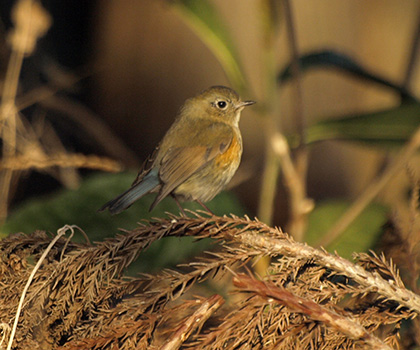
column 31, row 22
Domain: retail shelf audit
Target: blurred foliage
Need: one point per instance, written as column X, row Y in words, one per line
column 346, row 65
column 208, row 26
column 360, row 236
column 389, row 128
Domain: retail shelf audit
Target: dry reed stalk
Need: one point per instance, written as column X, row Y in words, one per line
column 64, row 160
column 28, row 145
column 31, row 21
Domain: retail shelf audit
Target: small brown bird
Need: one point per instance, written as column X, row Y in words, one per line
column 197, row 157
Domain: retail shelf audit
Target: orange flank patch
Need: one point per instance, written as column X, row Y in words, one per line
column 231, row 156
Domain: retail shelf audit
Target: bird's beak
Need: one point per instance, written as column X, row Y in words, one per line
column 247, row 103
column 243, row 104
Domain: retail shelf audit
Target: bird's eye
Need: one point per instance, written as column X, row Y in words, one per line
column 221, row 104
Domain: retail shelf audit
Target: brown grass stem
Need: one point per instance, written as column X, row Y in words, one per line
column 295, row 184
column 61, row 232
column 8, row 116
column 64, row 160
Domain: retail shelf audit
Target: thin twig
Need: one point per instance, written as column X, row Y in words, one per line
column 61, row 232
column 5, row 329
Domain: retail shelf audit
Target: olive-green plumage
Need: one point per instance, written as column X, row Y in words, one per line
column 197, row 157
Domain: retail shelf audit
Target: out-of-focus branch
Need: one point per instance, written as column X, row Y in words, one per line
column 31, row 22
column 295, row 184
column 94, row 127
column 64, row 160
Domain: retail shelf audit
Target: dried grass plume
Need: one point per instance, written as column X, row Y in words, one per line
column 79, row 297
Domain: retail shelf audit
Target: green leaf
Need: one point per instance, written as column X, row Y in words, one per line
column 359, row 237
column 346, row 64
column 388, row 128
column 203, row 18
column 79, row 207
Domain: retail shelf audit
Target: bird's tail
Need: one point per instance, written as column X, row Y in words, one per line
column 126, row 199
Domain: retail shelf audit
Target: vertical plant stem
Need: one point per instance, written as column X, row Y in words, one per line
column 270, row 113
column 295, row 70
column 268, row 186
column 279, row 155
column 298, row 209
column 8, row 115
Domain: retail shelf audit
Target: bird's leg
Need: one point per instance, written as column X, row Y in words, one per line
column 179, row 205
column 206, row 208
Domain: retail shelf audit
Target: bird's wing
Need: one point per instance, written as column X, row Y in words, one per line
column 146, row 167
column 179, row 163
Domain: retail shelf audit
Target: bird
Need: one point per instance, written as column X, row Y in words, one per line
column 198, row 155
